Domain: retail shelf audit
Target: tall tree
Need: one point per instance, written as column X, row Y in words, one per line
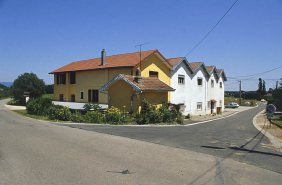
column 27, row 82
column 263, row 88
column 260, row 88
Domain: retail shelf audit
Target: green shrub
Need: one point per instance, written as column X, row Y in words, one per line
column 91, row 106
column 58, row 112
column 38, row 106
column 113, row 115
column 94, row 117
column 180, row 118
column 77, row 117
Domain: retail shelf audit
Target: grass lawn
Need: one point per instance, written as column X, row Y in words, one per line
column 277, row 119
column 236, row 100
column 50, row 96
column 24, row 113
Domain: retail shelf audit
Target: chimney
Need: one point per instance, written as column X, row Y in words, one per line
column 138, row 79
column 103, row 57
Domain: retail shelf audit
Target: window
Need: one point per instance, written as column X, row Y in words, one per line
column 72, row 77
column 220, row 103
column 81, row 95
column 61, row 78
column 199, row 105
column 209, row 104
column 73, row 98
column 93, row 95
column 212, row 83
column 61, row 97
column 220, row 84
column 153, row 74
column 200, row 81
column 181, row 79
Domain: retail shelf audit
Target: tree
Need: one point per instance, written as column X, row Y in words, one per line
column 260, row 88
column 263, row 88
column 27, row 82
column 49, row 89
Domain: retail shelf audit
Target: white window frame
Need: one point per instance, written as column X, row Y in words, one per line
column 183, row 79
column 199, row 105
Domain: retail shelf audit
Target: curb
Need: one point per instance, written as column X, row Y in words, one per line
column 274, row 140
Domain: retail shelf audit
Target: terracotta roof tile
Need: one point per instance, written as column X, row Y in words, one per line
column 195, row 65
column 149, row 83
column 173, row 61
column 210, row 68
column 219, row 71
column 114, row 61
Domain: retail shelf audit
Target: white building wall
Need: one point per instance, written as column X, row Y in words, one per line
column 190, row 93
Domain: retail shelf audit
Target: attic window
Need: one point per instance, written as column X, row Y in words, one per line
column 153, row 74
column 220, row 84
column 181, row 79
column 212, row 83
column 200, row 81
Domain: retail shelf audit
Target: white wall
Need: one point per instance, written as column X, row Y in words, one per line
column 190, row 93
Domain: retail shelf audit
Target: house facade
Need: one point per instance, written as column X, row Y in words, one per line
column 81, row 81
column 108, row 80
column 199, row 89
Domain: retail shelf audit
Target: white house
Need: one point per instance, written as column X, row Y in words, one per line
column 199, row 89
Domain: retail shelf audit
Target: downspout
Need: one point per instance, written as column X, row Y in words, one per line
column 109, row 98
column 132, row 99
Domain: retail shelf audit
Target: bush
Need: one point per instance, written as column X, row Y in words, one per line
column 38, row 106
column 113, row 115
column 180, row 118
column 91, row 106
column 58, row 112
column 94, row 117
column 77, row 117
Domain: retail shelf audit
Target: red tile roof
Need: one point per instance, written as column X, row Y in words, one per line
column 173, row 61
column 148, row 83
column 114, row 61
column 210, row 68
column 195, row 65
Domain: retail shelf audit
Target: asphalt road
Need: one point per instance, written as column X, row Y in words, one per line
column 233, row 138
column 38, row 152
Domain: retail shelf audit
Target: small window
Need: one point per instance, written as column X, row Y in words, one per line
column 61, row 79
column 212, row 83
column 220, row 103
column 72, row 77
column 153, row 74
column 209, row 104
column 73, row 98
column 200, row 81
column 81, row 95
column 199, row 105
column 220, row 84
column 181, row 79
column 61, row 97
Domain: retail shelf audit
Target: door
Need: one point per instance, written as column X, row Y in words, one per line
column 93, row 96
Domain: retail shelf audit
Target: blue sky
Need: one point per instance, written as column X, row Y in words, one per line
column 40, row 36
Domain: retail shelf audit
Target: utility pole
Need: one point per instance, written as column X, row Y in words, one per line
column 276, row 84
column 240, row 94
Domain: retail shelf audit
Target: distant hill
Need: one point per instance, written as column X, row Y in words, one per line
column 7, row 84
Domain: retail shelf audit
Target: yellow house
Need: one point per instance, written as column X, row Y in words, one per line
column 127, row 91
column 81, row 81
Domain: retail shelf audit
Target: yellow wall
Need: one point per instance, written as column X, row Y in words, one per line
column 121, row 96
column 95, row 79
column 155, row 64
column 85, row 80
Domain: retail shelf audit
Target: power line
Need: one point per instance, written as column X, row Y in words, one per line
column 257, row 74
column 212, row 28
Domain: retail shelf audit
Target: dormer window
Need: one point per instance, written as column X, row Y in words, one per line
column 153, row 74
column 181, row 79
column 200, row 81
column 212, row 83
